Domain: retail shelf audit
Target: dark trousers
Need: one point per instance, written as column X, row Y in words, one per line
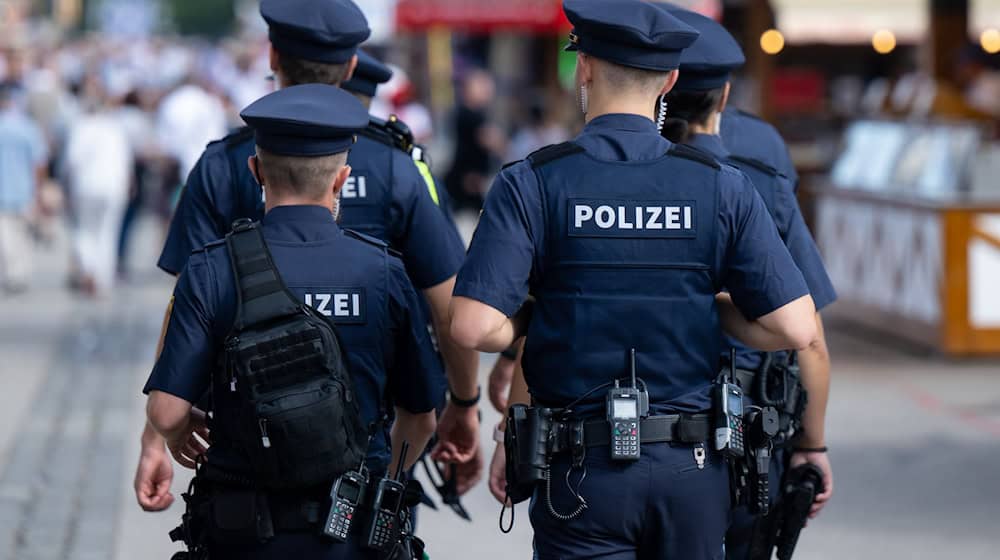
column 660, row 507
column 294, row 546
column 740, row 533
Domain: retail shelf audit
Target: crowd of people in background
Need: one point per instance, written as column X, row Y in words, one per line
column 99, row 130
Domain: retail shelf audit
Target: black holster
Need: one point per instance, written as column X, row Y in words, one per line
column 526, row 444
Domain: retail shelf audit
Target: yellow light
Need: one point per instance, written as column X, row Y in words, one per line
column 772, row 41
column 884, row 41
column 990, row 41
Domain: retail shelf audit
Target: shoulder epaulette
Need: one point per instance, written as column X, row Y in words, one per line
column 756, row 164
column 510, row 164
column 238, row 136
column 694, row 154
column 551, row 153
column 373, row 241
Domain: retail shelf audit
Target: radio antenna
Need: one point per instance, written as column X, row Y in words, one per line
column 632, row 367
column 402, row 460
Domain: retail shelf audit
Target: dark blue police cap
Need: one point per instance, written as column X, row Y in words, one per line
column 628, row 32
column 308, row 120
column 709, row 61
column 327, row 31
column 368, row 75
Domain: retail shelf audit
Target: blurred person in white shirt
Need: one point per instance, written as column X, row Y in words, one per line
column 189, row 118
column 97, row 170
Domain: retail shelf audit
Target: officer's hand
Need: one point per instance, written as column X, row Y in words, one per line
column 458, row 434
column 194, row 443
column 469, row 473
column 153, row 477
column 821, row 460
column 498, row 474
column 499, row 385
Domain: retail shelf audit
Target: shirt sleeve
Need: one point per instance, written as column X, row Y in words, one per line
column 803, row 249
column 199, row 212
column 758, row 270
column 184, row 368
column 417, row 382
column 431, row 245
column 498, row 267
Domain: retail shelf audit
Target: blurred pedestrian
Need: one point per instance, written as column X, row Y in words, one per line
column 541, row 130
column 189, row 118
column 23, row 155
column 97, row 167
column 479, row 144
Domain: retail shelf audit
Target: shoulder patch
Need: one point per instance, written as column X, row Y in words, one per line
column 694, row 154
column 756, row 164
column 551, row 153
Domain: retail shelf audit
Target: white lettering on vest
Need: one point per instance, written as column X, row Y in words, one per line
column 344, row 305
column 588, row 216
column 355, row 187
column 654, row 217
column 582, row 214
column 605, row 216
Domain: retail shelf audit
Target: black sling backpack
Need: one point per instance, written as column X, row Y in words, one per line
column 289, row 401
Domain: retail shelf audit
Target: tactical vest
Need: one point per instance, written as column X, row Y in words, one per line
column 629, row 262
column 367, row 195
column 283, row 399
column 777, row 191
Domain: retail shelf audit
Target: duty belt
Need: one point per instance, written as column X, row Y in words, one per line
column 745, row 379
column 682, row 428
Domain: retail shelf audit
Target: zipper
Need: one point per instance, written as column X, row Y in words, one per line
column 233, row 344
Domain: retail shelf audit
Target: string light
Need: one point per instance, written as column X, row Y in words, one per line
column 772, row 41
column 884, row 41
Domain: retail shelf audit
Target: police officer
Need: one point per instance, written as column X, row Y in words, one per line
column 625, row 240
column 315, row 41
column 696, row 104
column 302, row 134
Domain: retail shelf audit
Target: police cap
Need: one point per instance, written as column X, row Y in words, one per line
column 308, row 120
column 631, row 33
column 709, row 61
column 368, row 75
column 326, row 31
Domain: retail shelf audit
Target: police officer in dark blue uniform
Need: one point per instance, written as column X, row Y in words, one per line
column 624, row 241
column 747, row 135
column 302, row 134
column 315, row 41
column 696, row 104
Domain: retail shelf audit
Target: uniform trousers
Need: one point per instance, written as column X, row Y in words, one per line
column 661, row 507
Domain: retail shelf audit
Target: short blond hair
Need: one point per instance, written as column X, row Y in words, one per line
column 309, row 177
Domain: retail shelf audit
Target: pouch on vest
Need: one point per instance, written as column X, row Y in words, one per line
column 289, row 400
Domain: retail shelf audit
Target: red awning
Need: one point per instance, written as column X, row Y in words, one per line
column 538, row 16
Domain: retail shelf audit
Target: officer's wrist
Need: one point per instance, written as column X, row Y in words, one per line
column 466, row 403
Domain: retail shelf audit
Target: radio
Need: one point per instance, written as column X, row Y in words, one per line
column 347, row 494
column 729, row 432
column 625, row 408
column 385, row 529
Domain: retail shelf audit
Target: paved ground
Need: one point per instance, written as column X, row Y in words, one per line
column 916, row 441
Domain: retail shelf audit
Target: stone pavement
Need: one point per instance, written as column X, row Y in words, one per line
column 915, row 440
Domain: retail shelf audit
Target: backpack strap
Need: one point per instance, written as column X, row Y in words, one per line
column 261, row 295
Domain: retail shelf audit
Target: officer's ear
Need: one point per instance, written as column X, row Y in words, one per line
column 253, row 163
column 670, row 82
column 339, row 179
column 725, row 97
column 352, row 65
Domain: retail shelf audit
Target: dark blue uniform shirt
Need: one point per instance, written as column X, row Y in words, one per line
column 625, row 247
column 365, row 292
column 748, row 136
column 778, row 192
column 385, row 197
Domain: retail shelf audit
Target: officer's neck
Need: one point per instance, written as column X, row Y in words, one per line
column 620, row 104
column 296, row 200
column 710, row 126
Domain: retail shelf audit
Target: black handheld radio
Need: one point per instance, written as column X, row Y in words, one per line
column 347, row 495
column 626, row 407
column 729, row 414
column 385, row 528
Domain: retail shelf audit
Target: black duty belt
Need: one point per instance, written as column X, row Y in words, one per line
column 681, row 428
column 745, row 379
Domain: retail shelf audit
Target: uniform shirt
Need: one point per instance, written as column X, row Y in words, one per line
column 509, row 257
column 385, row 197
column 748, row 136
column 793, row 231
column 397, row 362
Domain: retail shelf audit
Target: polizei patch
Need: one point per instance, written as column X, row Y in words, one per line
column 343, row 305
column 631, row 218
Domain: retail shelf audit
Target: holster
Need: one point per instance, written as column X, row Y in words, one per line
column 526, row 444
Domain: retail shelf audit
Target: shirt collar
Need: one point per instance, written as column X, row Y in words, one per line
column 621, row 121
column 710, row 143
column 300, row 223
